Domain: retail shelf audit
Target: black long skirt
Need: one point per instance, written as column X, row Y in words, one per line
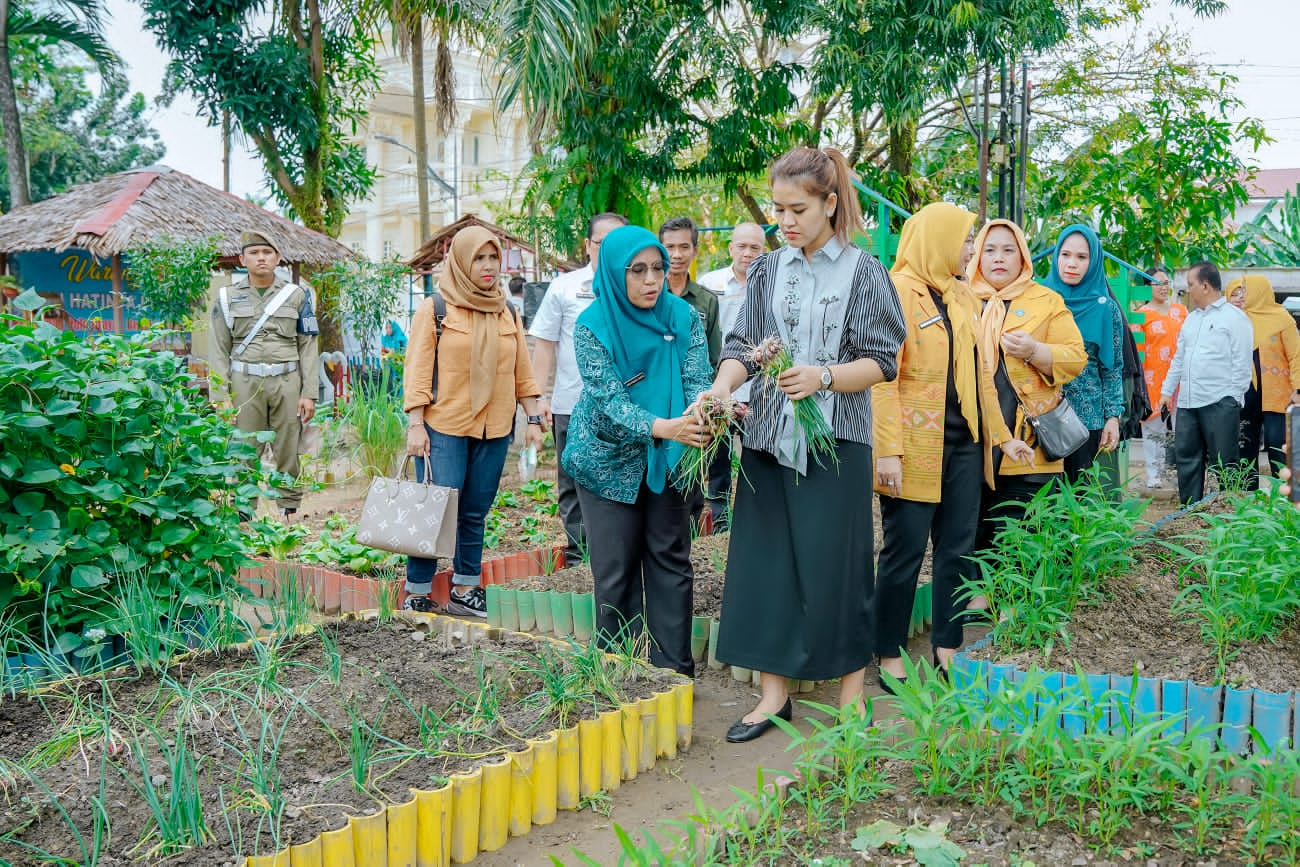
column 798, row 595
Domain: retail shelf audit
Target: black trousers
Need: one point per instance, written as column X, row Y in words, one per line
column 567, row 492
column 641, row 564
column 1007, row 503
column 1205, row 433
column 951, row 526
column 720, row 484
column 1083, row 458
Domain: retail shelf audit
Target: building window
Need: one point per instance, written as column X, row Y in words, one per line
column 390, row 250
column 475, row 150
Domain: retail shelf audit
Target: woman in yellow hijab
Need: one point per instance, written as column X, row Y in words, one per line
column 1276, row 383
column 927, row 429
column 1032, row 347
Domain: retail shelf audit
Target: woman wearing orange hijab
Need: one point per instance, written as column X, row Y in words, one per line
column 461, row 387
column 1028, row 337
column 1276, row 383
column 926, row 425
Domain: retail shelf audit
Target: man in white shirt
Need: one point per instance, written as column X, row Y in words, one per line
column 553, row 356
column 728, row 283
column 1210, row 372
column 747, row 243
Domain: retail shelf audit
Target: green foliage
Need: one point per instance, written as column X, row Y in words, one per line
column 337, row 545
column 1272, row 238
column 927, row 843
column 1059, row 555
column 297, row 83
column 113, row 466
column 367, row 294
column 1160, row 179
column 1008, row 751
column 375, row 413
column 173, row 276
column 1239, row 574
column 73, row 135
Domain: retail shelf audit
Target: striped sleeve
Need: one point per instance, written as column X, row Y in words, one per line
column 874, row 319
column 751, row 326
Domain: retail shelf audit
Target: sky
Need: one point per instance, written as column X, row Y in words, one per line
column 1254, row 39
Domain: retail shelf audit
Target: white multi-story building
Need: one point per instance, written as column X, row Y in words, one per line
column 475, row 167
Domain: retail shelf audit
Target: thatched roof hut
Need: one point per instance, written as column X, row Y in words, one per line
column 109, row 216
column 434, row 250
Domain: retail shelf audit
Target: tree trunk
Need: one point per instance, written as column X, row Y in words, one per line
column 751, row 205
column 421, row 125
column 902, row 149
column 15, row 154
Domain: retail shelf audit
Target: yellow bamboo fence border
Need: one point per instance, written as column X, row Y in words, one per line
column 506, row 796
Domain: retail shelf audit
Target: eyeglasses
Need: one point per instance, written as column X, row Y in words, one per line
column 639, row 269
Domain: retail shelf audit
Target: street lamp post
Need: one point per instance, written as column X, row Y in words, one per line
column 433, row 175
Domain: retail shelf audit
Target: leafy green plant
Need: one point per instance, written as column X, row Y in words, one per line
column 367, row 293
column 274, row 539
column 1239, row 574
column 927, row 843
column 113, row 465
column 375, row 413
column 532, row 530
column 539, row 490
column 337, row 545
column 172, row 276
column 174, row 798
column 1071, row 538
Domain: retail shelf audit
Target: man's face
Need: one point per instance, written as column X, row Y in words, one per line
column 746, row 246
column 598, row 233
column 260, row 260
column 681, row 250
column 1198, row 291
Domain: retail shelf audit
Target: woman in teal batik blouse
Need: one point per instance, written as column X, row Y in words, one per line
column 1097, row 394
column 644, row 361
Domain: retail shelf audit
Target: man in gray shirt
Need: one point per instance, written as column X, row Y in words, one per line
column 1210, row 372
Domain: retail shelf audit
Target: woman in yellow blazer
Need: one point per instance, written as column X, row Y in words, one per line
column 1276, row 381
column 1032, row 347
column 926, row 427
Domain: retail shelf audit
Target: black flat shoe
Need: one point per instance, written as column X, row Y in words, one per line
column 940, row 669
column 887, row 687
column 741, row 731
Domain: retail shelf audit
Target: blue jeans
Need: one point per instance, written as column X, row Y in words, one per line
column 473, row 467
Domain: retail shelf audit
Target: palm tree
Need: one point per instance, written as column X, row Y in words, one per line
column 408, row 20
column 71, row 23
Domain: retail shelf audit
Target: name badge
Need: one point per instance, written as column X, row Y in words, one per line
column 634, row 380
column 586, row 296
column 931, row 321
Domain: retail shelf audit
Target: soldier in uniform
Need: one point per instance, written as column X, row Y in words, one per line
column 265, row 340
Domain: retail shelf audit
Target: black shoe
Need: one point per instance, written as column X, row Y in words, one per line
column 940, row 669
column 473, row 603
column 422, row 604
column 741, row 731
column 888, row 687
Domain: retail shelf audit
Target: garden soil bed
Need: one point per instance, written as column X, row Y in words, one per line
column 1133, row 628
column 482, row 697
column 994, row 836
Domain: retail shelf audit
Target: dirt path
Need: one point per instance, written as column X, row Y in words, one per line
column 711, row 767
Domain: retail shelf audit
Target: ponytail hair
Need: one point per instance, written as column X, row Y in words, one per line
column 822, row 172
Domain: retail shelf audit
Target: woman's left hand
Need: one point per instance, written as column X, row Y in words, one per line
column 1018, row 451
column 801, row 381
column 535, row 436
column 1109, row 436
